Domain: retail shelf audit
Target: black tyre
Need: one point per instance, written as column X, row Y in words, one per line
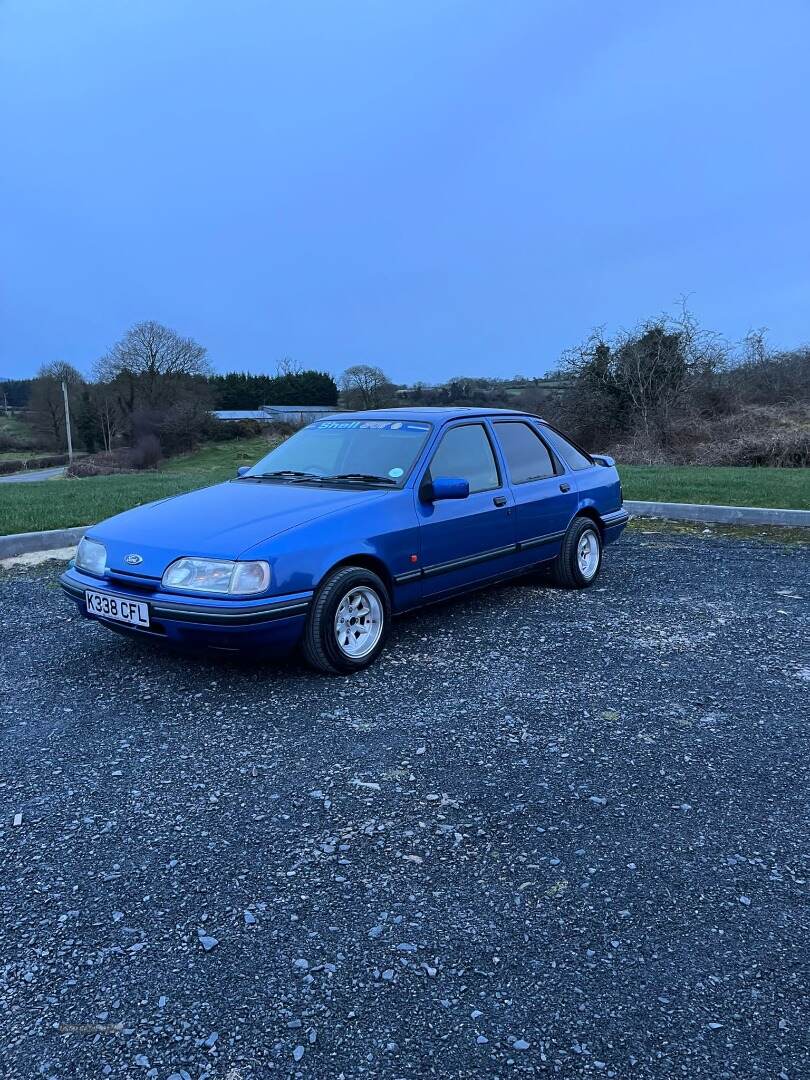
column 580, row 559
column 348, row 622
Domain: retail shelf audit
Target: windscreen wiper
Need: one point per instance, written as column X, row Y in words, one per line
column 296, row 477
column 287, row 474
column 365, row 478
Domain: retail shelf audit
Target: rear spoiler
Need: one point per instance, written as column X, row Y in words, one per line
column 604, row 459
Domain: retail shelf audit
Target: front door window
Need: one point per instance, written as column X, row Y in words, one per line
column 466, row 452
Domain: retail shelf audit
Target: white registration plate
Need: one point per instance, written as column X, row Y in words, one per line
column 115, row 607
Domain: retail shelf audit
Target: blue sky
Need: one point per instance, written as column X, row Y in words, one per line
column 440, row 188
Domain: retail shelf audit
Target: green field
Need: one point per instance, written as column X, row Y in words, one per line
column 20, row 455
column 13, row 425
column 17, row 429
column 57, row 504
column 726, row 486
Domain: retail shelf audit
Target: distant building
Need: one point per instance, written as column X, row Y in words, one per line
column 267, row 414
column 298, row 414
column 243, row 414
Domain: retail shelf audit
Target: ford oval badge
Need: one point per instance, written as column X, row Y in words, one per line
column 134, row 559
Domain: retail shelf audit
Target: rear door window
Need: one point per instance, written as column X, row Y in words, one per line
column 466, row 452
column 527, row 456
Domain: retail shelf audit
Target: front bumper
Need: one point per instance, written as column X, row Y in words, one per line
column 274, row 624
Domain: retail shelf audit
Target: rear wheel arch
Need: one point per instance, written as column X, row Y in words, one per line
column 566, row 568
column 589, row 512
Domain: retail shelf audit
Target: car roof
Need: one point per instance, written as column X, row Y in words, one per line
column 430, row 413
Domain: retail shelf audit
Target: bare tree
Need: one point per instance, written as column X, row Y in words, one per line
column 47, row 404
column 99, row 418
column 288, row 366
column 108, row 418
column 60, row 370
column 755, row 346
column 658, row 366
column 365, row 387
column 147, row 356
column 765, row 376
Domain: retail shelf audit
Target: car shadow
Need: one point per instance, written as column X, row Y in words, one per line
column 114, row 647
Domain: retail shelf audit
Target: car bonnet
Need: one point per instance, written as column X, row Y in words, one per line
column 217, row 522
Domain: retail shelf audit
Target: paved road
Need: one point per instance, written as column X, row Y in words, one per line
column 550, row 833
column 32, row 475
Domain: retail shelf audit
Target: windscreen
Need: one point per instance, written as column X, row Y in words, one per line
column 385, row 448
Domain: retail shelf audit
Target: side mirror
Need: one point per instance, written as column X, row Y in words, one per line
column 449, row 487
column 243, row 470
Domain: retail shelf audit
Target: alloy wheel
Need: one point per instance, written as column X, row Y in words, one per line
column 358, row 622
column 588, row 551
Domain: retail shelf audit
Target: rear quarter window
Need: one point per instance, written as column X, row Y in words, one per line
column 571, row 456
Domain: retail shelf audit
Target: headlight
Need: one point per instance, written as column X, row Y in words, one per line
column 218, row 576
column 91, row 556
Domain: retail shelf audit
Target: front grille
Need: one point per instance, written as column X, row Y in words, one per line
column 133, row 583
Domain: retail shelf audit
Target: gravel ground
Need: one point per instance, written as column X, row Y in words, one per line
column 549, row 833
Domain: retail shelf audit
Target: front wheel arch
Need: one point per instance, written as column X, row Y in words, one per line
column 367, row 562
column 320, row 647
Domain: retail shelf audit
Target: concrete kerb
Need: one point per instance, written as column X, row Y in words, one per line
column 720, row 515
column 23, row 543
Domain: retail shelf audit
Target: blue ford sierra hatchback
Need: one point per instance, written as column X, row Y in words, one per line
column 355, row 518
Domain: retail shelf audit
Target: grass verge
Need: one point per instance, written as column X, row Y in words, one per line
column 762, row 534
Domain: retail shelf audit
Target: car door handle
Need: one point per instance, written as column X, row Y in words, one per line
column 565, row 487
column 499, row 500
